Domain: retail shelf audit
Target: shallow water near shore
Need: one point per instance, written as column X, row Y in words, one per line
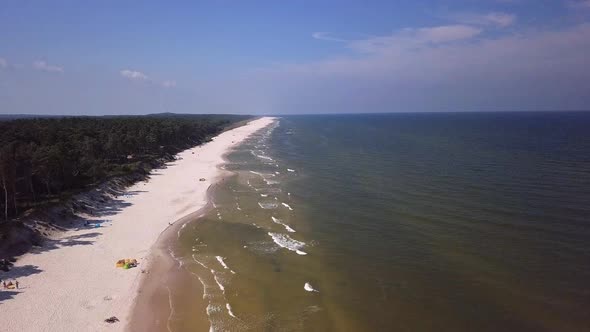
column 401, row 222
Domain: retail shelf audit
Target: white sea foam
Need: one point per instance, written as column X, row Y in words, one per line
column 285, row 241
column 200, row 263
column 263, row 175
column 217, row 281
column 308, row 288
column 261, row 156
column 222, row 262
column 287, row 206
column 204, row 287
column 211, row 309
column 267, row 205
column 172, row 311
column 179, row 261
column 229, row 310
column 278, row 221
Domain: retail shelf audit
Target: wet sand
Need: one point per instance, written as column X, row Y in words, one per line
column 157, row 301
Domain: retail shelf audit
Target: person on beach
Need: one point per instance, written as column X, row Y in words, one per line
column 4, row 284
column 16, row 283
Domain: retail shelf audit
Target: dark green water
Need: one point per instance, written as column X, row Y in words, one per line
column 408, row 222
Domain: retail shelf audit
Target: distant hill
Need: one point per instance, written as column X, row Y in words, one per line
column 8, row 117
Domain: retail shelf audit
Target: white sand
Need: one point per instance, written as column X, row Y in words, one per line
column 78, row 286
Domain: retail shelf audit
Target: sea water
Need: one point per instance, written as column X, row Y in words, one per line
column 399, row 222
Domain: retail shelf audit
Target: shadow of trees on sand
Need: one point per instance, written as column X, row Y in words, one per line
column 20, row 271
column 80, row 222
column 7, row 295
column 15, row 273
column 68, row 241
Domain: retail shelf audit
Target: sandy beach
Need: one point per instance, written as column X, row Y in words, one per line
column 72, row 284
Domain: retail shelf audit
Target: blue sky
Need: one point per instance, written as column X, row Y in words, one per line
column 280, row 57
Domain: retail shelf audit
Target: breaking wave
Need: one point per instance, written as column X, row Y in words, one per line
column 222, row 262
column 309, row 288
column 268, row 205
column 218, row 282
column 287, row 227
column 285, row 241
column 229, row 310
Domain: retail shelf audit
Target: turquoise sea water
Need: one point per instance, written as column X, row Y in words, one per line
column 400, row 222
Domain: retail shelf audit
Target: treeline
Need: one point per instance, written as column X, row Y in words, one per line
column 44, row 159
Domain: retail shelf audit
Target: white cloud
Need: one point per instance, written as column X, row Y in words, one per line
column 134, row 75
column 411, row 38
column 427, row 51
column 169, row 84
column 446, row 33
column 497, row 19
column 326, row 36
column 441, row 69
column 44, row 66
column 3, row 63
column 500, row 19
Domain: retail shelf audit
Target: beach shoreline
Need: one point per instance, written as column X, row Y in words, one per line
column 72, row 283
column 153, row 305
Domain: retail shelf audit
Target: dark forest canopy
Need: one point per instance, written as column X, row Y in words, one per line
column 44, row 159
